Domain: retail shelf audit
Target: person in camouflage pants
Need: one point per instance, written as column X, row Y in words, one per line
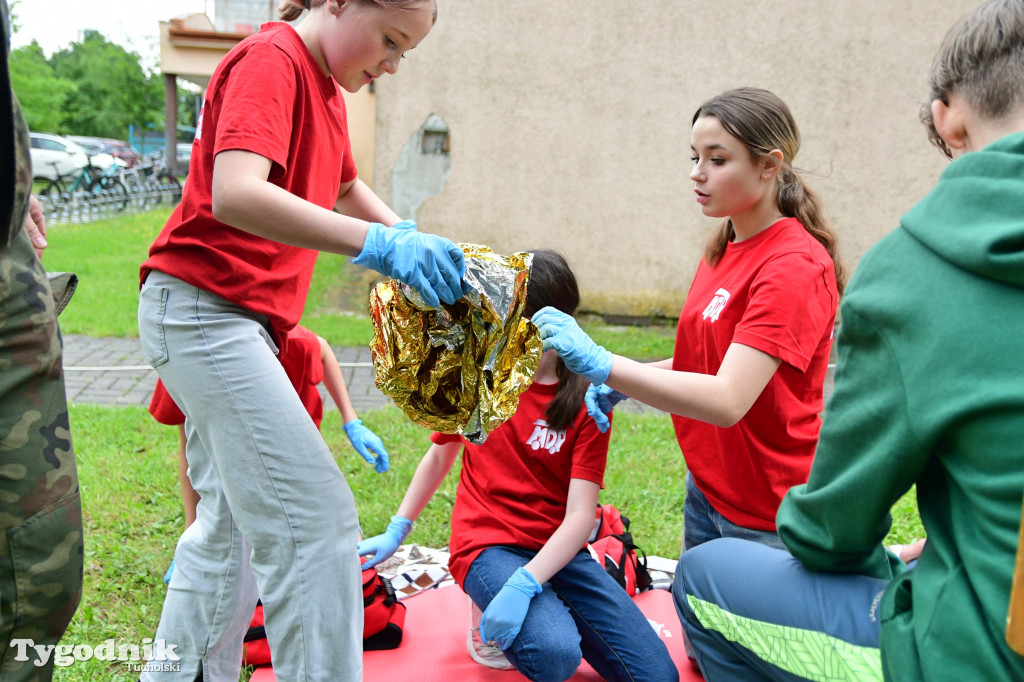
column 40, row 509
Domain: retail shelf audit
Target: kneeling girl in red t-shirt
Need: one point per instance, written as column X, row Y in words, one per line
column 523, row 512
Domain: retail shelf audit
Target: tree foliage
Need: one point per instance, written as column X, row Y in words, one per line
column 12, row 15
column 112, row 89
column 41, row 93
column 93, row 87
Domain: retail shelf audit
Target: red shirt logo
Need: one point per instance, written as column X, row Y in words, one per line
column 543, row 437
column 717, row 304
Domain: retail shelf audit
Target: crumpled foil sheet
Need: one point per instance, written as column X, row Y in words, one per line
column 462, row 367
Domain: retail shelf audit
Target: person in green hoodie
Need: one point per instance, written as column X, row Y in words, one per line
column 929, row 391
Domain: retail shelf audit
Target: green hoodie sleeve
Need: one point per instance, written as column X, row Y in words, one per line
column 867, row 458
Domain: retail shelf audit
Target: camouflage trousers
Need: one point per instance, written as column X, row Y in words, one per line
column 41, row 544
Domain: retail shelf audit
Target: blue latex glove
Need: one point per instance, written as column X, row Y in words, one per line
column 387, row 543
column 600, row 401
column 504, row 616
column 431, row 265
column 579, row 352
column 364, row 440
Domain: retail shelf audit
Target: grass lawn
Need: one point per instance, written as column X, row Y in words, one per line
column 127, row 467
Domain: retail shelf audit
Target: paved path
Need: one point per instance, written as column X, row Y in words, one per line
column 113, row 372
column 108, row 371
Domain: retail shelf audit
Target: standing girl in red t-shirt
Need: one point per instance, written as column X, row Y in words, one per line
column 752, row 348
column 308, row 360
column 523, row 512
column 271, row 183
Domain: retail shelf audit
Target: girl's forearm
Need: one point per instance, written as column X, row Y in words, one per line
column 335, row 382
column 359, row 201
column 430, row 472
column 562, row 546
column 244, row 199
column 721, row 399
column 571, row 535
column 686, row 394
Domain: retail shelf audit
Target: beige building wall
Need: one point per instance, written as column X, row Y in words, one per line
column 569, row 123
column 360, row 108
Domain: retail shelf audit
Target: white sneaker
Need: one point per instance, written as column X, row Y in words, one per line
column 483, row 653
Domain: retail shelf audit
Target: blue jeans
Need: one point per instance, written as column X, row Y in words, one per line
column 752, row 612
column 274, row 509
column 701, row 522
column 582, row 611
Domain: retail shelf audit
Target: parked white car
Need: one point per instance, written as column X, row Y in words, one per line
column 52, row 154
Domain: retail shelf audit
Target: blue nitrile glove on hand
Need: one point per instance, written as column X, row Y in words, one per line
column 579, row 352
column 600, row 401
column 504, row 616
column 387, row 543
column 364, row 440
column 431, row 265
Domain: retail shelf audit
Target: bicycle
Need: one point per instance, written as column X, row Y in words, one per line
column 168, row 182
column 152, row 182
column 94, row 184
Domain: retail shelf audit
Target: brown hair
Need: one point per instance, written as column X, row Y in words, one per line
column 982, row 60
column 290, row 10
column 763, row 122
column 552, row 283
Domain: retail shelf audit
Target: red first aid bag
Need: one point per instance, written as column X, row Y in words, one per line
column 255, row 648
column 383, row 614
column 612, row 545
column 383, row 620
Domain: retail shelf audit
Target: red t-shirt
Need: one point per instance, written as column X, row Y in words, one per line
column 267, row 96
column 163, row 408
column 299, row 355
column 775, row 292
column 514, row 487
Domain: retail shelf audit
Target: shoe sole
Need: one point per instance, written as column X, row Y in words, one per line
column 490, row 662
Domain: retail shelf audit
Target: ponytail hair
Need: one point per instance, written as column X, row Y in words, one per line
column 763, row 122
column 290, row 10
column 552, row 283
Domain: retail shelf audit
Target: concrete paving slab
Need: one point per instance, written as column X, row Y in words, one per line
column 111, row 371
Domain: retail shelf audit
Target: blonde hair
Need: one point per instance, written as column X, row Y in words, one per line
column 763, row 122
column 982, row 60
column 290, row 10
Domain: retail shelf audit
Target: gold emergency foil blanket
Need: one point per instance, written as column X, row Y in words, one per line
column 460, row 368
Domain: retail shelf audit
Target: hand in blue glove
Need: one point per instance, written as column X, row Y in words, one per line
column 364, row 440
column 431, row 265
column 580, row 354
column 504, row 616
column 600, row 401
column 387, row 543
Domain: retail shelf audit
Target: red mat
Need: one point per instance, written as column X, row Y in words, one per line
column 434, row 644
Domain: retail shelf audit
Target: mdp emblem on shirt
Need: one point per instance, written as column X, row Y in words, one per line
column 717, row 304
column 543, row 437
